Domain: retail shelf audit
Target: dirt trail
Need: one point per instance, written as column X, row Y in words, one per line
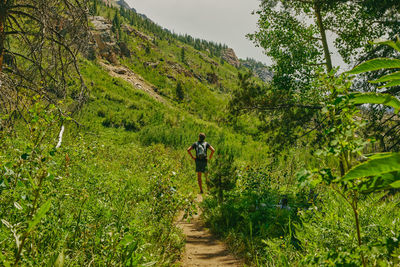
column 202, row 248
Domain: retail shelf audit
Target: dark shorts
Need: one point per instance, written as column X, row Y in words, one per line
column 201, row 165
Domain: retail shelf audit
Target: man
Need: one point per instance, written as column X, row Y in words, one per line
column 201, row 147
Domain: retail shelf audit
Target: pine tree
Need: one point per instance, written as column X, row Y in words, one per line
column 93, row 8
column 116, row 23
column 147, row 49
column 183, row 56
column 180, row 93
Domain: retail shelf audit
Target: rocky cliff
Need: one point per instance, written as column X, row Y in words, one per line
column 123, row 4
column 117, row 3
column 259, row 69
column 229, row 56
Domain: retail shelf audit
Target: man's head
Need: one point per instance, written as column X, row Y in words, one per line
column 202, row 136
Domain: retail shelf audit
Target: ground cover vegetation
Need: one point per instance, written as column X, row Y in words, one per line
column 312, row 203
column 93, row 169
column 96, row 174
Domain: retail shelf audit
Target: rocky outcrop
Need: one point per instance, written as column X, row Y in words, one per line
column 131, row 31
column 103, row 41
column 123, row 4
column 259, row 69
column 229, row 56
column 212, row 78
column 134, row 79
column 206, row 58
column 179, row 69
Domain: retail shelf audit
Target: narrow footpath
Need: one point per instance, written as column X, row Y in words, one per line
column 202, row 248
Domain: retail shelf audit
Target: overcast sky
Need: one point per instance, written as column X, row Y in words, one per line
column 224, row 21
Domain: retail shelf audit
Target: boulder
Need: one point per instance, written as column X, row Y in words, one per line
column 120, row 71
column 150, row 64
column 100, row 23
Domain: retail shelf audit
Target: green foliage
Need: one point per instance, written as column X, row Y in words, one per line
column 26, row 171
column 183, row 56
column 376, row 64
column 252, row 215
column 392, row 79
column 180, row 92
column 111, row 194
column 378, row 173
column 93, row 8
column 326, row 231
column 97, row 186
column 376, row 165
column 270, row 105
column 294, row 34
column 393, row 44
column 223, row 175
column 331, row 225
column 373, row 98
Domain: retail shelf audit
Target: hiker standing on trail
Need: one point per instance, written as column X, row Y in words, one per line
column 201, row 147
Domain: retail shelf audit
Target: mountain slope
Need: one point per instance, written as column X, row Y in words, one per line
column 168, row 62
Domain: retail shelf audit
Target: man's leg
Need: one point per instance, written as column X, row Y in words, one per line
column 199, row 181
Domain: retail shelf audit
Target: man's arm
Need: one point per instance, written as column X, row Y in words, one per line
column 212, row 151
column 189, row 150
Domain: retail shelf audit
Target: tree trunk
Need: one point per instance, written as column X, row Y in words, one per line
column 2, row 33
column 328, row 59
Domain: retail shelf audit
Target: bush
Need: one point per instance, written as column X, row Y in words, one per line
column 101, row 113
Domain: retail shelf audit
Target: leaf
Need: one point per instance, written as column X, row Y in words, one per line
column 17, row 205
column 6, row 223
column 376, row 98
column 391, row 84
column 374, row 167
column 3, row 261
column 376, row 64
column 379, row 155
column 395, row 184
column 39, row 215
column 31, row 181
column 60, row 260
column 387, row 78
column 151, row 263
column 395, row 45
column 126, row 240
column 380, row 182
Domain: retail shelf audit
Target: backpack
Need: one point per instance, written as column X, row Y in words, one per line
column 201, row 150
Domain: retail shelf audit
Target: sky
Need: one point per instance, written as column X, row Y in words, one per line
column 221, row 21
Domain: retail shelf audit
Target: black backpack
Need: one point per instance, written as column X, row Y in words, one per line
column 201, row 150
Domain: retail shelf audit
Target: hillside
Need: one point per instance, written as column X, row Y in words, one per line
column 166, row 62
